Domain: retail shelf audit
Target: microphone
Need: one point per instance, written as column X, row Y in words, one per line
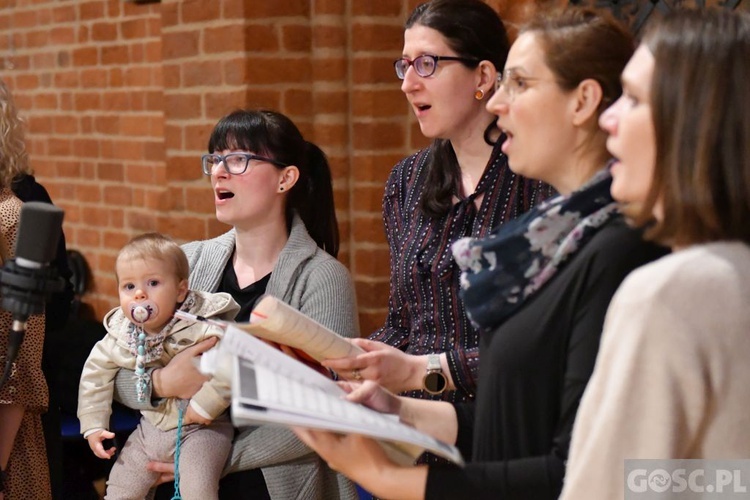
column 27, row 280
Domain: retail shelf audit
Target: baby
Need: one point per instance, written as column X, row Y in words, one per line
column 152, row 278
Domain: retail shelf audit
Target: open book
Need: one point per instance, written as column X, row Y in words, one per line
column 269, row 387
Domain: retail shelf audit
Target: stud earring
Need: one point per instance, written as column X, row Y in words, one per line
column 479, row 94
column 281, row 188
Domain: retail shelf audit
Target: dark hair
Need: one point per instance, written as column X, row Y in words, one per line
column 272, row 134
column 581, row 44
column 472, row 29
column 700, row 104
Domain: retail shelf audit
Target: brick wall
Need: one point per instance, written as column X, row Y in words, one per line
column 120, row 99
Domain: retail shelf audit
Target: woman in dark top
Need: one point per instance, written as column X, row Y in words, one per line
column 458, row 186
column 538, row 287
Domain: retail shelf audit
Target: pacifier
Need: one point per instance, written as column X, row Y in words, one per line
column 142, row 311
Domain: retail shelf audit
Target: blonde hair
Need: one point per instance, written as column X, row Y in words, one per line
column 156, row 246
column 14, row 160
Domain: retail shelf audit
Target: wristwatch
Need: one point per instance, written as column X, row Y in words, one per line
column 434, row 381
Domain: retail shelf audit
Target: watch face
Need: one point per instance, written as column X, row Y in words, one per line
column 434, row 383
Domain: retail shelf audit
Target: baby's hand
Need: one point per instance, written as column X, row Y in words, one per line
column 193, row 417
column 95, row 443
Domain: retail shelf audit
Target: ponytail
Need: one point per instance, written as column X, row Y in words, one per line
column 312, row 199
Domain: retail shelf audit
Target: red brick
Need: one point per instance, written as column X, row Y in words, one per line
column 23, row 19
column 234, row 71
column 95, row 77
column 65, row 125
column 368, row 228
column 274, row 70
column 91, row 10
column 327, row 36
column 86, row 101
column 198, row 198
column 64, row 14
column 141, row 76
column 176, row 45
column 330, row 102
column 110, row 171
column 103, row 32
column 45, row 101
column 89, row 193
column 134, row 29
column 87, row 56
column 152, row 52
column 114, row 55
column 374, row 167
column 142, row 222
column 378, row 136
column 368, row 198
column 225, row 38
column 296, row 38
column 182, row 106
column 222, row 103
column 114, row 9
column 40, row 124
column 379, row 103
column 60, row 147
column 375, row 289
column 255, row 37
column 62, row 36
column 196, row 137
column 380, row 8
column 327, row 134
column 266, row 9
column 377, row 37
column 69, row 169
column 184, row 167
column 194, row 12
column 254, row 98
column 332, row 69
column 370, row 69
column 329, row 7
column 183, row 227
column 202, row 73
column 299, row 100
column 372, row 262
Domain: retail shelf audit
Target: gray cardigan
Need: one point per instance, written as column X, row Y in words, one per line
column 308, row 279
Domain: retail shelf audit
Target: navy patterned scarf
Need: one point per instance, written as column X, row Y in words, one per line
column 501, row 271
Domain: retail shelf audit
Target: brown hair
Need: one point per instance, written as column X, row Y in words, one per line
column 700, row 103
column 157, row 246
column 582, row 44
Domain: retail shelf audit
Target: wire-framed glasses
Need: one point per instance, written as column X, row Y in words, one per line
column 234, row 163
column 426, row 64
column 512, row 82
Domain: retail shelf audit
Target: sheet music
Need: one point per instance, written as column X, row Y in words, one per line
column 275, row 320
column 268, row 388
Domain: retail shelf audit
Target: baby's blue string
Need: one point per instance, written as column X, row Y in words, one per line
column 180, row 414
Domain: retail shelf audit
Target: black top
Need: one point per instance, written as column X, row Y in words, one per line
column 245, row 297
column 534, row 369
column 247, row 483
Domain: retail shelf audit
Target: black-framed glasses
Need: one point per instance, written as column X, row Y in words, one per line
column 426, row 64
column 234, row 163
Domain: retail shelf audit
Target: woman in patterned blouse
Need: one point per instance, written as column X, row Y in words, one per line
column 458, row 186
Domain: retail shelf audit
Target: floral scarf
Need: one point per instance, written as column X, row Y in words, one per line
column 501, row 271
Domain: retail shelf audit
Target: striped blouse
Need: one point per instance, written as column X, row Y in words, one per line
column 425, row 313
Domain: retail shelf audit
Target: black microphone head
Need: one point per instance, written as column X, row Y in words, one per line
column 39, row 231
